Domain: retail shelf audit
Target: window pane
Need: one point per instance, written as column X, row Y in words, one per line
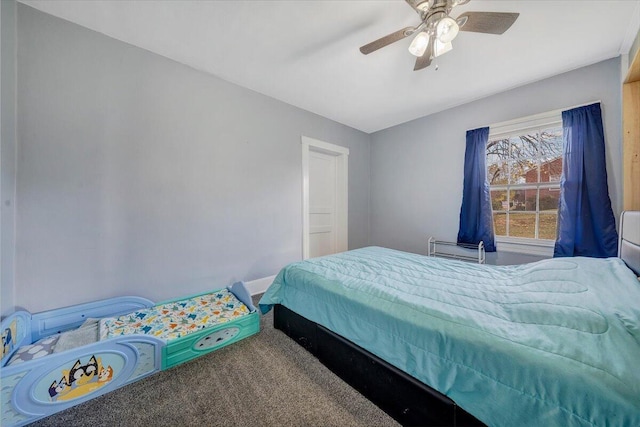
column 497, row 172
column 549, row 198
column 498, row 149
column 551, row 171
column 551, row 143
column 524, row 159
column 523, row 171
column 497, row 156
column 499, row 200
column 522, row 225
column 518, row 200
column 551, row 155
column 531, row 199
column 500, row 224
column 547, row 226
column 525, row 146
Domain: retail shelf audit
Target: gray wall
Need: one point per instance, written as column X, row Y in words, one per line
column 417, row 167
column 7, row 152
column 138, row 175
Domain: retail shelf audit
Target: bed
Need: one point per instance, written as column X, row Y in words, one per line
column 59, row 358
column 442, row 342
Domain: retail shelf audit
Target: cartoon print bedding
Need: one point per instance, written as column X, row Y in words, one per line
column 176, row 319
column 60, row 358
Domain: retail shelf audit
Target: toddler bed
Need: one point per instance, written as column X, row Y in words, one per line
column 59, row 358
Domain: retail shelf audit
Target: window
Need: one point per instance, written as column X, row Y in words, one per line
column 524, row 166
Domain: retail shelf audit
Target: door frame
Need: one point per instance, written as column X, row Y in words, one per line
column 342, row 194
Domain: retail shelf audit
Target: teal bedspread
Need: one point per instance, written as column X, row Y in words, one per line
column 552, row 343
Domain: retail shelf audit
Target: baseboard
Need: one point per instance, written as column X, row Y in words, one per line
column 258, row 286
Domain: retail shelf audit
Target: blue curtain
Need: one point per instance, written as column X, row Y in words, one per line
column 476, row 222
column 586, row 225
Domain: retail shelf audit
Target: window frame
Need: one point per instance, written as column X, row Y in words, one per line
column 517, row 127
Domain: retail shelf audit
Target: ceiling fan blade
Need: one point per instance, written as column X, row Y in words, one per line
column 387, row 40
column 487, row 22
column 425, row 60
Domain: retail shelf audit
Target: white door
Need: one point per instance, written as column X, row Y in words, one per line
column 322, row 204
column 324, row 198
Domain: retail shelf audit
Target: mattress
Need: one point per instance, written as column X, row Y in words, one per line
column 178, row 318
column 552, row 343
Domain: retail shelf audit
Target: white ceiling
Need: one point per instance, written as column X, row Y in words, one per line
column 305, row 53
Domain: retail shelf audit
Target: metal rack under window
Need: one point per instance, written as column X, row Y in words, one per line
column 458, row 251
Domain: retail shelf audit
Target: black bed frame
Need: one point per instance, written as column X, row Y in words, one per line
column 404, row 398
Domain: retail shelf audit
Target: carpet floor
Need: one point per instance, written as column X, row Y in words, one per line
column 264, row 380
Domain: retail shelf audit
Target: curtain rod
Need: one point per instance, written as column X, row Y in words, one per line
column 539, row 116
column 581, row 105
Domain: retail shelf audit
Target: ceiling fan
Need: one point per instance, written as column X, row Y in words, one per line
column 437, row 29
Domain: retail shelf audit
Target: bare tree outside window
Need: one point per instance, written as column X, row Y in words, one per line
column 524, row 172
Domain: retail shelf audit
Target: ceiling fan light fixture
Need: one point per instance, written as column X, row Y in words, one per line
column 440, row 48
column 419, row 44
column 461, row 21
column 447, row 29
column 433, row 36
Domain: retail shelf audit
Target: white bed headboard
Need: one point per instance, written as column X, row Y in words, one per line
column 629, row 241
